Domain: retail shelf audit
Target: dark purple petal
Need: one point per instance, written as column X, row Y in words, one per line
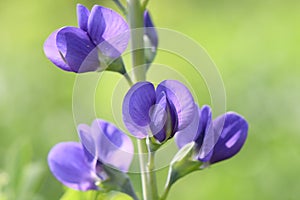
column 96, row 24
column 82, row 16
column 77, row 49
column 136, row 107
column 113, row 146
column 179, row 96
column 69, row 165
column 109, row 31
column 233, row 128
column 150, row 31
column 52, row 52
column 205, row 121
column 205, row 138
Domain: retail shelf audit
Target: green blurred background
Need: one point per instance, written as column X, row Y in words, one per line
column 255, row 45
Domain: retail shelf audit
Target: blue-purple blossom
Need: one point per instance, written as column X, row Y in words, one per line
column 81, row 165
column 102, row 36
column 150, row 38
column 217, row 139
column 159, row 112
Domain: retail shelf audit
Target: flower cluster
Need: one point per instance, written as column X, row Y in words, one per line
column 100, row 39
column 152, row 115
column 215, row 140
column 81, row 165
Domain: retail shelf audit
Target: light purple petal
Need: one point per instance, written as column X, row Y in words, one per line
column 69, row 165
column 113, row 147
column 77, row 49
column 189, row 133
column 52, row 52
column 136, row 107
column 158, row 115
column 178, row 95
column 82, row 16
column 110, row 145
column 108, row 30
column 87, row 138
column 164, row 119
column 234, row 129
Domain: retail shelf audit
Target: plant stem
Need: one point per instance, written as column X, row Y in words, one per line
column 152, row 175
column 166, row 192
column 145, row 3
column 128, row 79
column 136, row 22
column 120, row 6
column 142, row 150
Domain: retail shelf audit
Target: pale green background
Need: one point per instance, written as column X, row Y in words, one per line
column 255, row 45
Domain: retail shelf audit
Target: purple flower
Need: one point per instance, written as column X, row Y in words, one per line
column 102, row 36
column 216, row 140
column 159, row 112
column 81, row 165
column 150, row 39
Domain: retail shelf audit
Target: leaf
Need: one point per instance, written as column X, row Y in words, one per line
column 113, row 195
column 79, row 195
column 94, row 195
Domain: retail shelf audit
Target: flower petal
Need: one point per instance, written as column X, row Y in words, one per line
column 136, row 107
column 150, row 31
column 233, row 130
column 109, row 31
column 82, row 16
column 189, row 133
column 164, row 119
column 178, row 95
column 69, row 165
column 205, row 121
column 52, row 52
column 205, row 138
column 113, row 146
column 158, row 115
column 87, row 138
column 77, row 49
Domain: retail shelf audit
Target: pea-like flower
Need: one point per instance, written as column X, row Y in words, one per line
column 217, row 139
column 102, row 36
column 81, row 166
column 159, row 112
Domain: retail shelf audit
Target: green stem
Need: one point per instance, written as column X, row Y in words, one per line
column 120, row 6
column 152, row 175
column 128, row 79
column 136, row 22
column 142, row 150
column 166, row 192
column 145, row 3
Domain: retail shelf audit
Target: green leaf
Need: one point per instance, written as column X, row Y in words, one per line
column 183, row 163
column 94, row 195
column 116, row 196
column 79, row 195
column 118, row 181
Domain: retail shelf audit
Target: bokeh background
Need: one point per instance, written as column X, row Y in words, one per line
column 255, row 45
